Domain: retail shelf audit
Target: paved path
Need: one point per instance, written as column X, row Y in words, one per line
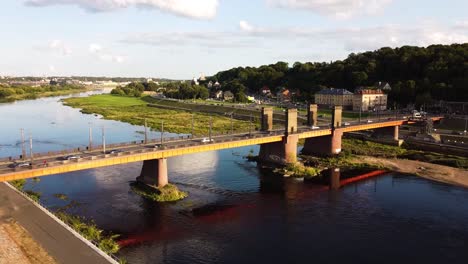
column 60, row 243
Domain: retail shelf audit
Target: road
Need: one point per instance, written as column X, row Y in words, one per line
column 59, row 242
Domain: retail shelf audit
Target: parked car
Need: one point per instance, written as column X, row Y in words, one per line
column 19, row 164
column 205, row 140
column 72, row 157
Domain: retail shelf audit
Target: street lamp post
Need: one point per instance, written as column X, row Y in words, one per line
column 360, row 110
column 23, row 149
column 466, row 123
column 31, row 149
column 90, row 143
column 103, row 140
column 193, row 123
column 211, row 124
column 250, row 125
column 146, row 132
column 232, row 124
column 162, row 132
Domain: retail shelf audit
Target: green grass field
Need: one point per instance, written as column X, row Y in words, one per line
column 134, row 110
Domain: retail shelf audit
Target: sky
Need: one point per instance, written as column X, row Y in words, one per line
column 180, row 39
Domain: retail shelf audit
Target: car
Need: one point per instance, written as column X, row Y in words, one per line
column 114, row 151
column 346, row 124
column 315, row 127
column 369, row 121
column 205, row 140
column 19, row 164
column 72, row 157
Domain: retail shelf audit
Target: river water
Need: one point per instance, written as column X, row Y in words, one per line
column 237, row 212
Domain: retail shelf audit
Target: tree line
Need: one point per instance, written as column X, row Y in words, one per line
column 416, row 74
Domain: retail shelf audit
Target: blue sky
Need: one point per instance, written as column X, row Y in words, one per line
column 183, row 38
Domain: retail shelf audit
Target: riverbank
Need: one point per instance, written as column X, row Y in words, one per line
column 135, row 110
column 426, row 170
column 31, row 93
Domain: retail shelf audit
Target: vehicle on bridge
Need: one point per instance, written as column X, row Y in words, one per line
column 206, row 140
column 71, row 157
column 315, row 127
column 19, row 164
column 114, row 151
column 346, row 123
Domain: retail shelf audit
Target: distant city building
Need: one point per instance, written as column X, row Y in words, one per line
column 195, row 81
column 369, row 99
column 265, row 91
column 217, row 94
column 331, row 97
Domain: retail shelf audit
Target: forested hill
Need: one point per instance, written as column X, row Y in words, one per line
column 438, row 72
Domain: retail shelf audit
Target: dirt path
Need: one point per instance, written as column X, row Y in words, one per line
column 17, row 246
column 426, row 170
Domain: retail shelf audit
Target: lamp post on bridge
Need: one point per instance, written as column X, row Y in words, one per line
column 31, row 149
column 146, row 132
column 193, row 123
column 23, row 149
column 250, row 125
column 103, row 140
column 162, row 132
column 211, row 124
column 232, row 124
column 90, row 143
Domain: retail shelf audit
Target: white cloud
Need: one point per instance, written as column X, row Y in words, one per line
column 341, row 9
column 59, row 47
column 350, row 39
column 94, row 48
column 103, row 54
column 199, row 9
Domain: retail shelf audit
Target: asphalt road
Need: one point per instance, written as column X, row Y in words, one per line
column 60, row 243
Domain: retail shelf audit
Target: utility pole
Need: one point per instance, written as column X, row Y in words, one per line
column 146, row 132
column 90, row 144
column 31, row 149
column 103, row 140
column 23, row 149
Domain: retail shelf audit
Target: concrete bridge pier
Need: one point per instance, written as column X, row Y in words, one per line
column 283, row 152
column 267, row 119
column 388, row 132
column 154, row 172
column 312, row 110
column 325, row 145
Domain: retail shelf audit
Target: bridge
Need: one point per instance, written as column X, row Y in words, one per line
column 277, row 146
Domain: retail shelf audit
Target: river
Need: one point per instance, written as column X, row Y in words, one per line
column 236, row 212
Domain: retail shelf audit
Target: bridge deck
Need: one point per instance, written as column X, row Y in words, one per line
column 141, row 152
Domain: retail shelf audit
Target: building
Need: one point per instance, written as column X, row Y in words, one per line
column 330, row 97
column 283, row 95
column 384, row 86
column 369, row 100
column 227, row 95
column 217, row 94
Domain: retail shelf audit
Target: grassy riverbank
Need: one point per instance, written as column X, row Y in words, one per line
column 367, row 148
column 134, row 110
column 11, row 94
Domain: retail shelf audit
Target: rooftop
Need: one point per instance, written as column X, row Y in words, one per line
column 335, row 91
